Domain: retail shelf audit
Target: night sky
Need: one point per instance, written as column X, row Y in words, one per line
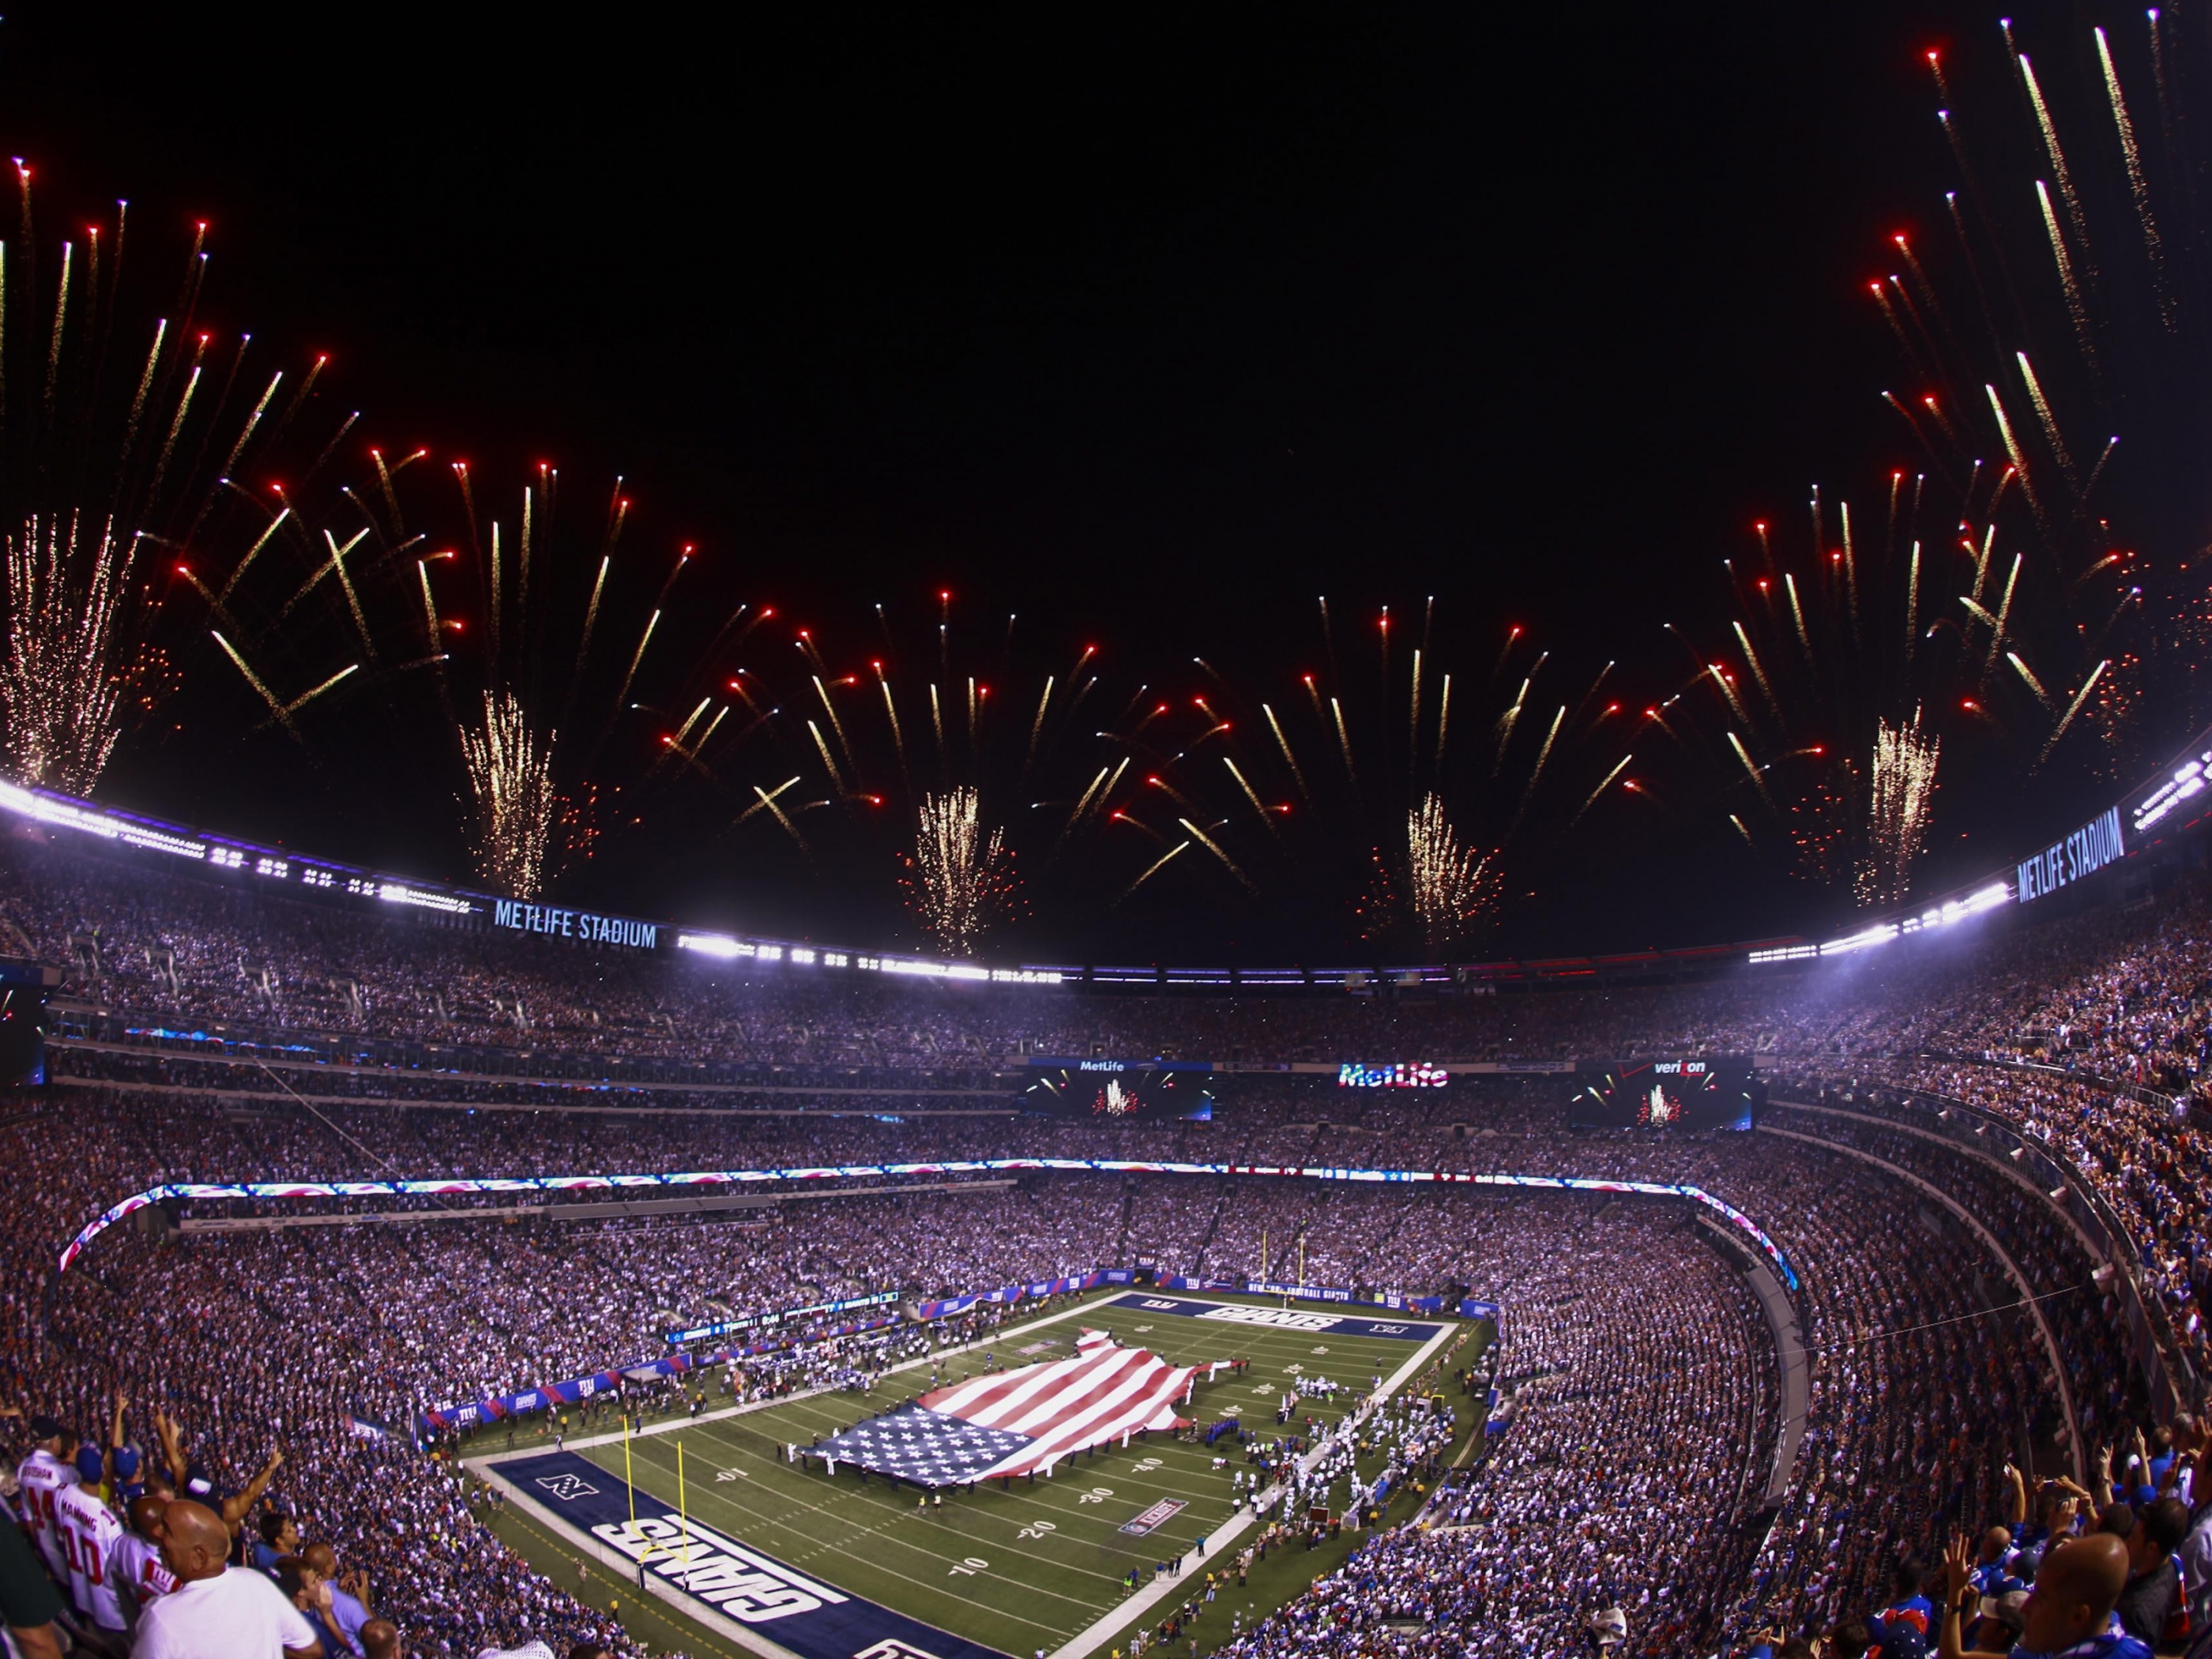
column 1149, row 327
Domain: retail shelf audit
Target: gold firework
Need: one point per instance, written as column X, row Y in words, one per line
column 1900, row 803
column 962, row 876
column 510, row 780
column 63, row 690
column 1450, row 884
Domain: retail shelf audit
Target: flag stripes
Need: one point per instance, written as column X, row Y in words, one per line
column 1021, row 1421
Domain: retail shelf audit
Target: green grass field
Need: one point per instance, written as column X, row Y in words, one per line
column 1032, row 1567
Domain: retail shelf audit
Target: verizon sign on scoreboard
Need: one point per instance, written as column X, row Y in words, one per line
column 2088, row 849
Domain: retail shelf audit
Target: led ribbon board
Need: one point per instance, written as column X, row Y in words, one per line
column 210, row 1191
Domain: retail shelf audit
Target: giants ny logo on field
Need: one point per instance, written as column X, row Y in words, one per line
column 1282, row 1318
column 567, row 1487
column 719, row 1571
column 890, row 1648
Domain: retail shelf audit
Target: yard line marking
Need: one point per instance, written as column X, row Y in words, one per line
column 1115, row 1618
column 891, row 1511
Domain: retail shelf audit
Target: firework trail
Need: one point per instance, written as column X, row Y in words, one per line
column 2138, row 184
column 1603, row 784
column 1153, row 869
column 961, row 879
column 2072, row 709
column 2050, row 433
column 1215, row 847
column 1292, row 761
column 511, row 798
column 2077, row 308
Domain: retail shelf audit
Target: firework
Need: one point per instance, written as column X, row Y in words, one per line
column 510, row 801
column 504, row 626
column 1901, row 801
column 61, row 681
column 962, row 877
column 1316, row 791
column 103, row 477
column 1984, row 588
column 1449, row 885
column 2069, row 268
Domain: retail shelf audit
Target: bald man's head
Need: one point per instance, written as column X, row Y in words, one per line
column 2074, row 1590
column 194, row 1541
column 379, row 1639
column 323, row 1559
column 1995, row 1543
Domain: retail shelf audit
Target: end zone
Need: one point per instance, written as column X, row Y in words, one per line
column 755, row 1600
column 1280, row 1319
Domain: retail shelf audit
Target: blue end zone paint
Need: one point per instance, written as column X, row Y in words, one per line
column 1276, row 1319
column 796, row 1610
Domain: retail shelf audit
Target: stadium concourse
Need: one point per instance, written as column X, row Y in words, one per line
column 1984, row 1169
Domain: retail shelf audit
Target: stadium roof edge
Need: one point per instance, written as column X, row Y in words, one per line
column 2176, row 799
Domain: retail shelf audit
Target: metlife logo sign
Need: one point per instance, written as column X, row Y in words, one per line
column 1396, row 1074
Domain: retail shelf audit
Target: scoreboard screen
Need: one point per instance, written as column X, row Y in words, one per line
column 1667, row 1094
column 1125, row 1093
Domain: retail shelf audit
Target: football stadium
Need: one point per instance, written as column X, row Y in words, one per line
column 711, row 956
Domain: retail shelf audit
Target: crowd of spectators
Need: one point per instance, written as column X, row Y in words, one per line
column 2117, row 996
column 369, row 1323
column 1644, row 1382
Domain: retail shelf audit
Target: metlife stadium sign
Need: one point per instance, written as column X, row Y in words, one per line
column 582, row 926
column 2087, row 850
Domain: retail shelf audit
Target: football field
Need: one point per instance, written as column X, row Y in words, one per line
column 1038, row 1565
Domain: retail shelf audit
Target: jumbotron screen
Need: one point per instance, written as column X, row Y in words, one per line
column 1666, row 1094
column 1129, row 1093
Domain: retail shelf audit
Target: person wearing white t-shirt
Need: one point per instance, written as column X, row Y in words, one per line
column 217, row 1612
column 42, row 1475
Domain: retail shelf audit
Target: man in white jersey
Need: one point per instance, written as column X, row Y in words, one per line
column 138, row 1569
column 90, row 1536
column 41, row 1476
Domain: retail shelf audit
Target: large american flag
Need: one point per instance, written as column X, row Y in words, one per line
column 1016, row 1422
